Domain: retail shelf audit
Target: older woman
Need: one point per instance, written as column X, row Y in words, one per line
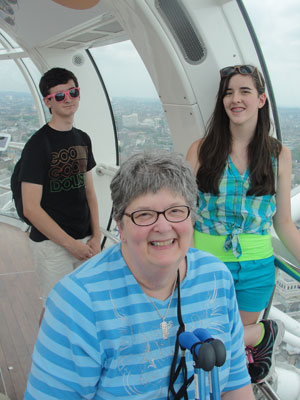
column 109, row 331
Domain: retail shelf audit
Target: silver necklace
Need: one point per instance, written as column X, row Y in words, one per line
column 164, row 325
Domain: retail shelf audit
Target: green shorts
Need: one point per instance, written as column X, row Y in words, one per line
column 254, row 282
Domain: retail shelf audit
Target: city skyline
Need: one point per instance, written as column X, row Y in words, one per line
column 140, row 123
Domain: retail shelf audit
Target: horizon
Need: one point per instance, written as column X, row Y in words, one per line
column 139, row 97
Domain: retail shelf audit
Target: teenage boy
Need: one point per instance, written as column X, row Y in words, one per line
column 58, row 193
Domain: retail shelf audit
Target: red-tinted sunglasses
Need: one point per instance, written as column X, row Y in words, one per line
column 60, row 96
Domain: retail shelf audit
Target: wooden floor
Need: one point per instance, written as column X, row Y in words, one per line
column 20, row 308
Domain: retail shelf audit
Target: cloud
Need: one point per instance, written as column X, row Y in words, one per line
column 123, row 71
column 278, row 31
column 11, row 77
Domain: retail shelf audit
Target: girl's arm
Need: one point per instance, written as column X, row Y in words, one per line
column 192, row 155
column 283, row 224
column 245, row 393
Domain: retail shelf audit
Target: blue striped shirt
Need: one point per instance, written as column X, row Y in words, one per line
column 232, row 212
column 101, row 337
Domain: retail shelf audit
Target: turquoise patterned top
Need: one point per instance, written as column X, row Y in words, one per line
column 232, row 212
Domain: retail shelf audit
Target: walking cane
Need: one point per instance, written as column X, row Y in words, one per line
column 208, row 354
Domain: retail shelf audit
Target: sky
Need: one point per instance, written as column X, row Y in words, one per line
column 132, row 79
column 278, row 29
column 277, row 26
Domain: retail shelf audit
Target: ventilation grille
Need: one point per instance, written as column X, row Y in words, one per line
column 182, row 29
column 106, row 29
column 78, row 60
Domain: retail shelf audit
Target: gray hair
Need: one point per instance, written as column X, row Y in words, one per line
column 148, row 172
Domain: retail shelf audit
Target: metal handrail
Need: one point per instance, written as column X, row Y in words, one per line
column 294, row 272
column 109, row 235
column 267, row 391
column 288, row 267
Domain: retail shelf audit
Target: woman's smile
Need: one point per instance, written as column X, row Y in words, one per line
column 162, row 244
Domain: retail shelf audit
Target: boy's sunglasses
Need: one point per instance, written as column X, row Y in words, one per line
column 60, row 96
column 241, row 69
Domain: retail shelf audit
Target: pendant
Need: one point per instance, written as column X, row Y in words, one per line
column 165, row 328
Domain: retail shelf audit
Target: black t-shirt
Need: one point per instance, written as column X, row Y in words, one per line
column 58, row 161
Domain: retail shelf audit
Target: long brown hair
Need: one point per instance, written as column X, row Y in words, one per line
column 215, row 148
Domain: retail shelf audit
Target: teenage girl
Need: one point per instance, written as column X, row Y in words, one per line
column 244, row 177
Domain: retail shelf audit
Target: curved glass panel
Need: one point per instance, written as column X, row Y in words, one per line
column 35, row 75
column 277, row 27
column 138, row 112
column 9, row 39
column 19, row 120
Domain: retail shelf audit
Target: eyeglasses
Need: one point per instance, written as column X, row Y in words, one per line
column 241, row 69
column 149, row 217
column 60, row 96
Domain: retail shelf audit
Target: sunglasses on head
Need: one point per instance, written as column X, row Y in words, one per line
column 241, row 69
column 60, row 96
